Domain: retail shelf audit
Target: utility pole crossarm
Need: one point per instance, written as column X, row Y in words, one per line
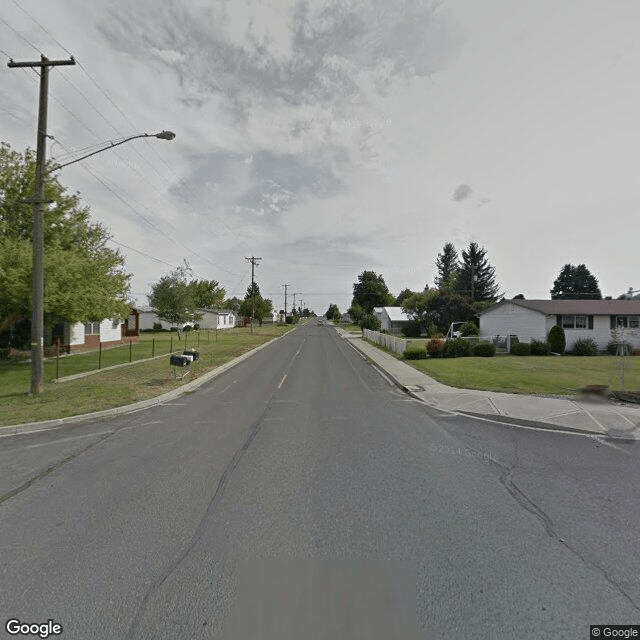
column 44, row 62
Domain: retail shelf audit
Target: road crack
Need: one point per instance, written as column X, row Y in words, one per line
column 506, row 479
column 157, row 584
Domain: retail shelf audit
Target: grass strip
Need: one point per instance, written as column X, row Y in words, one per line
column 125, row 385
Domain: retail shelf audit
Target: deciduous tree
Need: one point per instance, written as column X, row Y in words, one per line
column 172, row 298
column 371, row 291
column 84, row 279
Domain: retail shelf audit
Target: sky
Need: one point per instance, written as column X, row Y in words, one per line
column 327, row 137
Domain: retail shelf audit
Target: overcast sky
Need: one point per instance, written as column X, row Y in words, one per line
column 329, row 137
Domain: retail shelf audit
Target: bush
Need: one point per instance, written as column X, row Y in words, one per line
column 157, row 326
column 520, row 349
column 585, row 347
column 435, row 347
column 457, row 348
column 412, row 329
column 469, row 329
column 484, row 350
column 556, row 339
column 4, row 354
column 414, row 352
column 196, row 326
column 612, row 348
column 187, row 327
column 539, row 348
column 369, row 321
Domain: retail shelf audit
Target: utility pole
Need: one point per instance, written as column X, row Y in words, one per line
column 285, row 301
column 254, row 261
column 37, row 278
column 473, row 279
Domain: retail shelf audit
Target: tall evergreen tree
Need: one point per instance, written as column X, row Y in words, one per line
column 476, row 277
column 575, row 283
column 448, row 267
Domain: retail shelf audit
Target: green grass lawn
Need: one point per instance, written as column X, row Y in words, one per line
column 124, row 385
column 532, row 374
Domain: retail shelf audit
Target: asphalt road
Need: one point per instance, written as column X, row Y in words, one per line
column 300, row 495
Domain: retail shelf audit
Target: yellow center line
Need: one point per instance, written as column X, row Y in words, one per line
column 281, row 381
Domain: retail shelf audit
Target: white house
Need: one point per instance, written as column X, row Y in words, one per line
column 533, row 319
column 392, row 319
column 211, row 319
column 81, row 336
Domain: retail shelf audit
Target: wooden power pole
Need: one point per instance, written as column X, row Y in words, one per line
column 37, row 278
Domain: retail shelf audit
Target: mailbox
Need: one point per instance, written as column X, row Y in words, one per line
column 179, row 361
column 195, row 355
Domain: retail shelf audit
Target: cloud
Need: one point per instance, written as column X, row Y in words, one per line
column 462, row 192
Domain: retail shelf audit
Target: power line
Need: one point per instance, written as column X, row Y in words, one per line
column 33, row 46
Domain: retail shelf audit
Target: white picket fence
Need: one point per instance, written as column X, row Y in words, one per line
column 397, row 345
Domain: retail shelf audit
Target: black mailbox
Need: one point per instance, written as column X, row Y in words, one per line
column 194, row 354
column 179, row 361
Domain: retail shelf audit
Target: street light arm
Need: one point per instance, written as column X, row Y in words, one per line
column 163, row 135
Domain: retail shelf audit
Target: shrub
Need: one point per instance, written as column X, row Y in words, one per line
column 4, row 354
column 539, row 348
column 369, row 321
column 196, row 326
column 556, row 339
column 187, row 327
column 435, row 348
column 520, row 349
column 412, row 329
column 414, row 352
column 157, row 326
column 484, row 350
column 469, row 329
column 612, row 348
column 585, row 347
column 457, row 348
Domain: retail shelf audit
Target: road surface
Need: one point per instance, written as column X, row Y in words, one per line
column 301, row 495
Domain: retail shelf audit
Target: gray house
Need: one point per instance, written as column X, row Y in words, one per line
column 532, row 319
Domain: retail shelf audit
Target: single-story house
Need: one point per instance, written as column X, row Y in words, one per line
column 217, row 319
column 81, row 336
column 392, row 319
column 211, row 319
column 533, row 319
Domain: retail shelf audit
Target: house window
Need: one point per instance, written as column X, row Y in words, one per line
column 92, row 329
column 576, row 322
column 628, row 322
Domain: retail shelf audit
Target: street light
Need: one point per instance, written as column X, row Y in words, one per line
column 37, row 321
column 163, row 135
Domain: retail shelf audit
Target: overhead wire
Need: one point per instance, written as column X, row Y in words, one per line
column 179, row 181
column 101, row 180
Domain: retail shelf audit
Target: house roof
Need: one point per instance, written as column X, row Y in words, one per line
column 396, row 314
column 577, row 307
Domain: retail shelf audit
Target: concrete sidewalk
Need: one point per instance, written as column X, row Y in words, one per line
column 599, row 417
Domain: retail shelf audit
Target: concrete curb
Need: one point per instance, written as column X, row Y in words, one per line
column 503, row 420
column 31, row 427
